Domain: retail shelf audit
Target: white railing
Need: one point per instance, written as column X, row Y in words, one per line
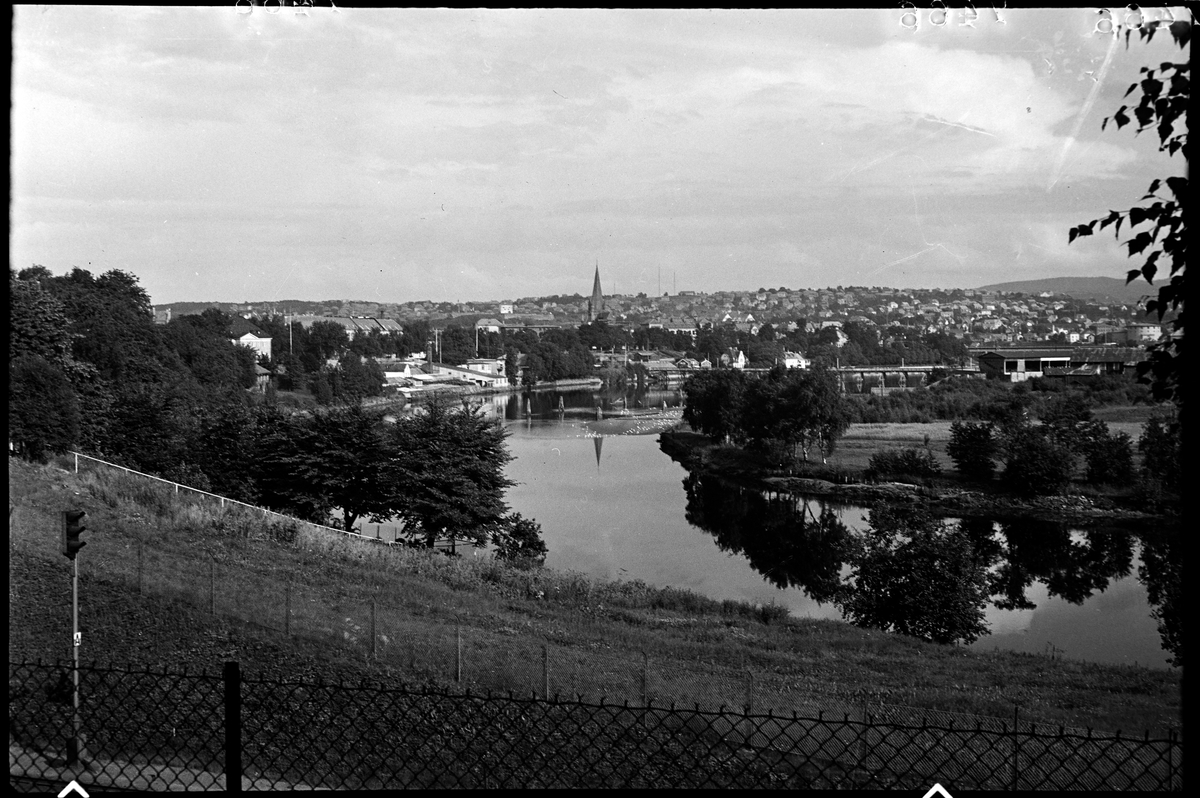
column 224, row 499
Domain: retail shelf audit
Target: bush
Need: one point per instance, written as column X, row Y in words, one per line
column 1161, row 447
column 519, row 542
column 1109, row 459
column 973, row 449
column 911, row 462
column 1036, row 464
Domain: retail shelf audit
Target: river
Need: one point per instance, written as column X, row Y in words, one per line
column 617, row 507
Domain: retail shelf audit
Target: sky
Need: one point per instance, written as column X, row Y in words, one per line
column 392, row 155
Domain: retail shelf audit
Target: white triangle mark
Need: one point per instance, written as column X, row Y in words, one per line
column 936, row 789
column 74, row 785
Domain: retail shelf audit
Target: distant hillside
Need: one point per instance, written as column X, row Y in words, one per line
column 1112, row 289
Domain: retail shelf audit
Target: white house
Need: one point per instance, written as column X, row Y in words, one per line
column 795, row 360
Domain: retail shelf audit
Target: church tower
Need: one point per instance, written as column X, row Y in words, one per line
column 596, row 303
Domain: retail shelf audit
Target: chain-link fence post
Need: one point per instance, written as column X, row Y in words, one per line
column 373, row 652
column 233, row 728
column 139, row 567
column 212, row 586
column 287, row 610
column 545, row 672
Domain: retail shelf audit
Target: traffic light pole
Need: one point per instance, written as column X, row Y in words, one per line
column 73, row 746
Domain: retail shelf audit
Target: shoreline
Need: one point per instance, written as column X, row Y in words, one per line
column 693, row 451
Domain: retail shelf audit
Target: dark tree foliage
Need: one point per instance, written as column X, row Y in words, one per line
column 446, row 478
column 457, row 345
column 416, row 337
column 1036, row 464
column 600, row 335
column 973, row 448
column 1161, row 570
column 341, row 457
column 715, row 403
column 323, row 341
column 225, row 446
column 37, row 322
column 1162, row 105
column 282, row 441
column 917, row 577
column 783, row 538
column 518, row 542
column 1109, row 458
column 150, row 425
column 1161, row 446
column 914, row 462
column 203, row 344
column 110, row 320
column 43, row 413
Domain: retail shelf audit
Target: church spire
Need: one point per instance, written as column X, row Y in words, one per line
column 596, row 303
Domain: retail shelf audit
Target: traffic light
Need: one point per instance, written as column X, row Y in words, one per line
column 73, row 527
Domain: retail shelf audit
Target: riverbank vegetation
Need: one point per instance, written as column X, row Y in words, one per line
column 1026, row 440
column 835, row 662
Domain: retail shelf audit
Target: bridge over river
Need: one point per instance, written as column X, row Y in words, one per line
column 882, row 379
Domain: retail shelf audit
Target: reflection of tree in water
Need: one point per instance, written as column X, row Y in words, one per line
column 1161, row 572
column 782, row 537
column 912, row 573
column 916, row 575
column 1036, row 550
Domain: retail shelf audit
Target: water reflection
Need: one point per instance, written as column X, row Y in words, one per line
column 910, row 572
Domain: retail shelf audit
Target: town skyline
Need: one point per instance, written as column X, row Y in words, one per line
column 468, row 155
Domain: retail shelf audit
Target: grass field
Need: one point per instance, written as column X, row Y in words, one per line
column 196, row 557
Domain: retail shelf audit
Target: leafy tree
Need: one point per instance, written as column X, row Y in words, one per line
column 1161, row 446
column 518, row 542
column 43, row 413
column 445, row 477
column 337, row 458
column 417, row 335
column 325, row 340
column 1109, row 458
column 202, row 343
column 224, row 448
column 1065, row 416
column 37, row 321
column 715, row 401
column 1036, row 464
column 823, row 416
column 973, row 449
column 1162, row 105
column 111, row 322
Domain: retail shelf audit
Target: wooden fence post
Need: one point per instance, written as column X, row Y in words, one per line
column 645, row 679
column 457, row 654
column 372, row 628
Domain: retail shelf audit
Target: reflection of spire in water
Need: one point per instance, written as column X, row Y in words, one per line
column 599, row 441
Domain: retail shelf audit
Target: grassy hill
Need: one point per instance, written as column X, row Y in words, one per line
column 171, row 581
column 1095, row 289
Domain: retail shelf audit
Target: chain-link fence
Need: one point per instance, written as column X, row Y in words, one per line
column 160, row 730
